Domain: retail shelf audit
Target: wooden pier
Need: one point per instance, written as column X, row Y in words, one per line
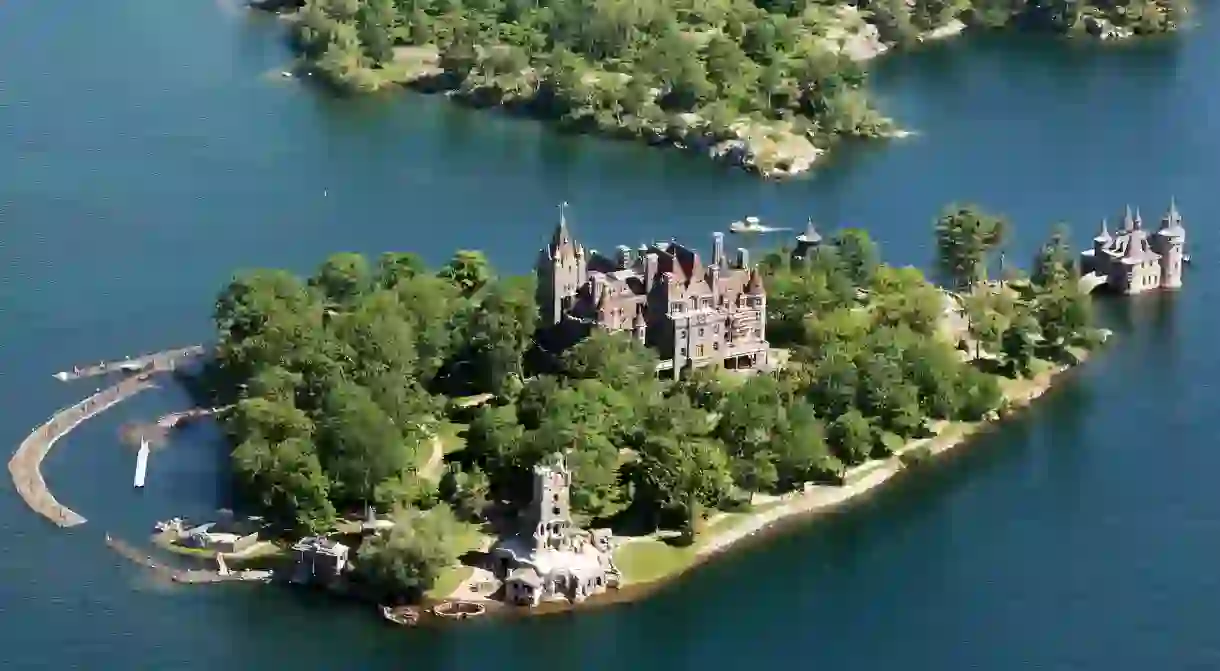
column 157, row 361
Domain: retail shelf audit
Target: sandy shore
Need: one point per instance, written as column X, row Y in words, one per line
column 815, row 499
column 866, row 476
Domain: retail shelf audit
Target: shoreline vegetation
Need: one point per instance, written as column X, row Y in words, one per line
column 767, row 85
column 429, row 395
column 732, row 529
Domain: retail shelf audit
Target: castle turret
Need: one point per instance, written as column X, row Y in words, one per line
column 1096, row 261
column 806, row 243
column 1170, row 241
column 562, row 269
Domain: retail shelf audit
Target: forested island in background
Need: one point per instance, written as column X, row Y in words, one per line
column 765, row 84
column 426, row 394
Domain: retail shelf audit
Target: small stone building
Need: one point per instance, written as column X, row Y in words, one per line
column 553, row 559
column 1131, row 261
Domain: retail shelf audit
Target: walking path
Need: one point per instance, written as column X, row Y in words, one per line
column 164, row 360
column 25, row 466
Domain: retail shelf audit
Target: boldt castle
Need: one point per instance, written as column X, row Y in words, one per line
column 663, row 295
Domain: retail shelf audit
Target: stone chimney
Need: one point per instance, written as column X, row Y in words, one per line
column 743, row 257
column 650, row 271
column 718, row 249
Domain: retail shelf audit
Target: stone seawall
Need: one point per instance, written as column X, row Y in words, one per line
column 26, row 464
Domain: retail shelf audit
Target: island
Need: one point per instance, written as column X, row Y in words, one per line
column 612, row 419
column 768, row 86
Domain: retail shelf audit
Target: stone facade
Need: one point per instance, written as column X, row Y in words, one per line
column 1131, row 261
column 662, row 295
column 553, row 559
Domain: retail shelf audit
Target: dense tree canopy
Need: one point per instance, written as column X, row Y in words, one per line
column 340, row 385
column 658, row 69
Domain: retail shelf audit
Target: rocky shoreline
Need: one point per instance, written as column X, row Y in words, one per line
column 770, row 148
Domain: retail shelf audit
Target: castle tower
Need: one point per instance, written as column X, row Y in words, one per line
column 1169, row 242
column 562, row 270
column 806, row 243
column 549, row 509
column 718, row 249
column 757, row 297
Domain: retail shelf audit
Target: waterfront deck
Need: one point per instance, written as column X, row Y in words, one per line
column 159, row 361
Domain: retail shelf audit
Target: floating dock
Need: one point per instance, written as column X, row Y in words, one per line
column 141, row 464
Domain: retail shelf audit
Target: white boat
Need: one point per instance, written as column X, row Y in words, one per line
column 141, row 463
column 753, row 225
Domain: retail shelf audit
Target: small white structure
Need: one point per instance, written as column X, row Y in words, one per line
column 318, row 559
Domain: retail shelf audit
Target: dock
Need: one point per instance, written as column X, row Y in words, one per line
column 159, row 361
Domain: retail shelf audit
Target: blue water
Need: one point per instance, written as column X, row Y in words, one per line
column 141, row 164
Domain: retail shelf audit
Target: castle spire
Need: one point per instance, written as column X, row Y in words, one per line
column 1104, row 234
column 1172, row 218
column 1139, row 221
column 562, row 245
column 1128, row 220
column 562, row 235
column 810, row 236
column 754, row 285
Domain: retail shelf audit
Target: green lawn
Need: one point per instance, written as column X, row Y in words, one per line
column 648, row 560
column 450, row 579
